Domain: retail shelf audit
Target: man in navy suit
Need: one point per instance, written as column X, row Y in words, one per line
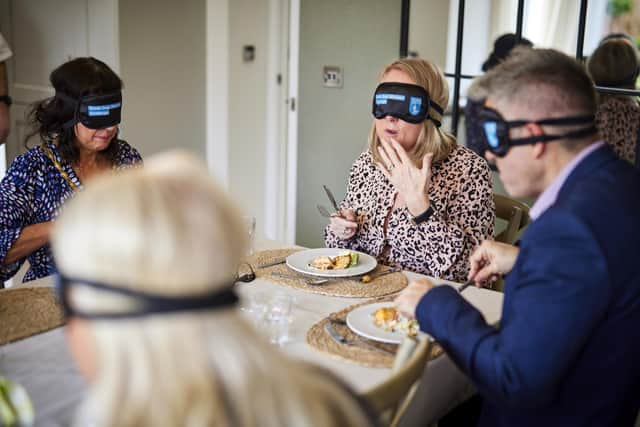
column 567, row 352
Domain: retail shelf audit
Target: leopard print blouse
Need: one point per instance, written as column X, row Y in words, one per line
column 461, row 196
column 618, row 121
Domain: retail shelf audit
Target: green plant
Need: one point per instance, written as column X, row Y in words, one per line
column 616, row 8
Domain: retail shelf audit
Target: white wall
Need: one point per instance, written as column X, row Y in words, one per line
column 162, row 64
column 361, row 36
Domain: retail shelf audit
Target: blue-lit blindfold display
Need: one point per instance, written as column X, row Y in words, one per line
column 95, row 111
column 141, row 303
column 496, row 130
column 407, row 102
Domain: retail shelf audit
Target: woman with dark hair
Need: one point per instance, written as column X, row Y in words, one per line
column 79, row 131
column 502, row 47
column 615, row 64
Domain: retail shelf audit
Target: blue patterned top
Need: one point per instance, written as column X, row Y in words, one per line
column 32, row 191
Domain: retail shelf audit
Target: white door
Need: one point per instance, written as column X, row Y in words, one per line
column 43, row 34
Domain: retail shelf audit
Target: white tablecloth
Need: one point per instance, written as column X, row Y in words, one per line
column 44, row 367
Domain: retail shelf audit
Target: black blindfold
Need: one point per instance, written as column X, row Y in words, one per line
column 145, row 303
column 95, row 111
column 496, row 130
column 407, row 102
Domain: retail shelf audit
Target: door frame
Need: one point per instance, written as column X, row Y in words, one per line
column 292, row 120
column 281, row 130
column 281, row 150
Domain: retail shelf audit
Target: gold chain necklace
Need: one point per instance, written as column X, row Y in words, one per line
column 58, row 166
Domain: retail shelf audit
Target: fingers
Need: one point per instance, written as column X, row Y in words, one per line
column 390, row 148
column 343, row 228
column 348, row 214
column 386, row 160
column 476, row 261
column 491, row 259
column 426, row 162
column 341, row 222
column 409, row 298
column 400, row 152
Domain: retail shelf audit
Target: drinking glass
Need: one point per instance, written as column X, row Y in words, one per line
column 278, row 318
column 250, row 229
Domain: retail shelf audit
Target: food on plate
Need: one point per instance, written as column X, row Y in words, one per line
column 342, row 261
column 345, row 259
column 385, row 314
column 390, row 319
column 322, row 263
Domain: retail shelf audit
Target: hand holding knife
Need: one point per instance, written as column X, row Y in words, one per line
column 332, row 200
column 343, row 222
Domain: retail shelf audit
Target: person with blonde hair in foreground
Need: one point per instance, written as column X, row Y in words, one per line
column 147, row 265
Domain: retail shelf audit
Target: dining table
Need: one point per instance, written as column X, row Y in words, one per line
column 43, row 365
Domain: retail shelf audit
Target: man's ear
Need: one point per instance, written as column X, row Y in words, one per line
column 540, row 147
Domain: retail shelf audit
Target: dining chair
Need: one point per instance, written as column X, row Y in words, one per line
column 28, row 310
column 515, row 213
column 390, row 399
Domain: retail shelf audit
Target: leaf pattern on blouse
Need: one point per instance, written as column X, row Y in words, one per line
column 33, row 191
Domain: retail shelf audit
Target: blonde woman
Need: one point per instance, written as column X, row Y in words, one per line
column 146, row 262
column 415, row 198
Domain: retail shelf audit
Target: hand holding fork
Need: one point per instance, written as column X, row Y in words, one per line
column 343, row 223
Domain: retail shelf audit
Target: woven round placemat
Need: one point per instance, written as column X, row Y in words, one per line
column 26, row 311
column 319, row 340
column 339, row 287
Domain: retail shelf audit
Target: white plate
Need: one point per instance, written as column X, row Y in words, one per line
column 299, row 261
column 360, row 321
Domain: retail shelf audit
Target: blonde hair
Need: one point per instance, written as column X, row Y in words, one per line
column 167, row 229
column 432, row 139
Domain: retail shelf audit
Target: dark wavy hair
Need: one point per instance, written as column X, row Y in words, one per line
column 76, row 78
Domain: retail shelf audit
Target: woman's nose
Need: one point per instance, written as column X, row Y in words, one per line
column 391, row 118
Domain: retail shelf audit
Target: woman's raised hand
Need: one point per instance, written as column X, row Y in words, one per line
column 411, row 182
column 344, row 224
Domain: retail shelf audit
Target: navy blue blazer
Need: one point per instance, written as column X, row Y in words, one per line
column 567, row 352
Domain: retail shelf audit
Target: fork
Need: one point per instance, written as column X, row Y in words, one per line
column 323, row 211
column 310, row 282
column 341, row 339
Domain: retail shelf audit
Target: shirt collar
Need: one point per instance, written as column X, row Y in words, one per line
column 550, row 194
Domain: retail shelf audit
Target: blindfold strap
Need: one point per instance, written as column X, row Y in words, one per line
column 150, row 303
column 439, row 109
column 75, row 103
column 546, row 138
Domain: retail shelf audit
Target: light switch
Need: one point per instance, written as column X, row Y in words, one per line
column 248, row 53
column 332, row 76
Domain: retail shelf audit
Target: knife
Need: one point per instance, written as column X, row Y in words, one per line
column 369, row 277
column 272, row 263
column 331, row 198
column 465, row 286
column 335, row 335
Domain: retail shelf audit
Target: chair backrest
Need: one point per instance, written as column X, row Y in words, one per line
column 515, row 213
column 388, row 396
